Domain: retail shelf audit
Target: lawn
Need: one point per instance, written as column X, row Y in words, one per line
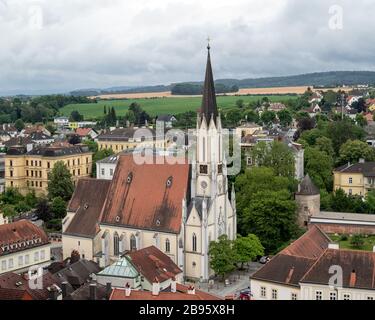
column 155, row 106
column 369, row 242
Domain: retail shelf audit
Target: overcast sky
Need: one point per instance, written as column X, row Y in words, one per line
column 61, row 45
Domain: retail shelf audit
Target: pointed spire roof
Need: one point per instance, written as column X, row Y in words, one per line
column 209, row 106
column 307, row 187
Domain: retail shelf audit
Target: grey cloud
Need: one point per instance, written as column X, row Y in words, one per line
column 96, row 43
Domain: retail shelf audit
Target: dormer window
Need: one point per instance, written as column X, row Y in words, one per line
column 169, row 182
column 130, row 178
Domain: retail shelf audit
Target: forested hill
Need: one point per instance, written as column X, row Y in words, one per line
column 326, row 79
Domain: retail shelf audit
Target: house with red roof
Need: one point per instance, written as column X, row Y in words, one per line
column 86, row 133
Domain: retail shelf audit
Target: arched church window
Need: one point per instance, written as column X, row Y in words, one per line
column 116, row 244
column 194, row 242
column 133, row 243
column 167, row 246
column 204, row 149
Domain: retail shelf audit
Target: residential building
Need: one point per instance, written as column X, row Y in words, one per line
column 15, row 286
column 28, row 170
column 276, row 107
column 177, row 207
column 84, row 133
column 81, row 124
column 167, row 120
column 357, row 281
column 139, row 269
column 22, row 245
column 2, row 172
column 61, row 121
column 123, row 139
column 105, row 169
column 314, row 268
column 248, row 129
column 355, row 179
column 280, row 278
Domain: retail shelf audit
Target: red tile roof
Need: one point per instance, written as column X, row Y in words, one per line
column 17, row 282
column 358, row 268
column 87, row 202
column 14, row 294
column 152, row 263
column 291, row 264
column 83, row 132
column 21, row 235
column 140, row 196
column 180, row 294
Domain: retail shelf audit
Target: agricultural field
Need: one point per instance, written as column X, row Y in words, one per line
column 166, row 105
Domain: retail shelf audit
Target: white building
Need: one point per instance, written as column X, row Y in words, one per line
column 105, row 169
column 314, row 268
column 22, row 245
column 61, row 121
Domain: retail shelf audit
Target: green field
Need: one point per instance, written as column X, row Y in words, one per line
column 156, row 106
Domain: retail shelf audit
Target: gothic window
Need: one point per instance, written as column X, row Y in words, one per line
column 167, row 246
column 133, row 243
column 203, row 169
column 194, row 242
column 116, row 244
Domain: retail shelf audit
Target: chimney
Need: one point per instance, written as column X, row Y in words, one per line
column 191, row 290
column 92, row 291
column 156, row 287
column 128, row 290
column 64, row 289
column 334, row 246
column 173, row 285
column 52, row 293
column 108, row 290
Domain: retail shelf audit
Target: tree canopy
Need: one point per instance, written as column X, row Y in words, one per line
column 60, row 182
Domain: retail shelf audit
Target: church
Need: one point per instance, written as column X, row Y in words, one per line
column 178, row 208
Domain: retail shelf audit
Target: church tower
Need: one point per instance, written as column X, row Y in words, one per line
column 211, row 213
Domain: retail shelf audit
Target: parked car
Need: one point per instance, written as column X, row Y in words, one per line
column 264, row 260
column 245, row 294
column 34, row 218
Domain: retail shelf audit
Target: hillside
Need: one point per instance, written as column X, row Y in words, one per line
column 326, row 79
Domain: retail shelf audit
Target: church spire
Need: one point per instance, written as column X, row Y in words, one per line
column 209, row 106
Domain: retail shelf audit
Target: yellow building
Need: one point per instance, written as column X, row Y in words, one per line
column 129, row 138
column 28, row 170
column 355, row 179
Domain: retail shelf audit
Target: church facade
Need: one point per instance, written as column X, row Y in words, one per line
column 179, row 208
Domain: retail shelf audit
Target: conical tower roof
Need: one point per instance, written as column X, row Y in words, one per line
column 209, row 106
column 307, row 187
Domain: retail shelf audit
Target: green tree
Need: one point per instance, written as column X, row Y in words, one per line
column 75, row 116
column 351, row 151
column 8, row 210
column 251, row 116
column 357, row 241
column 341, row 131
column 319, row 166
column 268, row 117
column 43, row 209
column 19, row 125
column 31, row 199
column 272, row 217
column 51, row 128
column 285, row 117
column 222, row 259
column 60, row 182
column 240, row 103
column 233, row 118
column 340, row 202
column 248, row 248
column 324, row 144
column 58, row 208
column 276, row 156
column 93, row 146
column 370, row 200
column 361, row 120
